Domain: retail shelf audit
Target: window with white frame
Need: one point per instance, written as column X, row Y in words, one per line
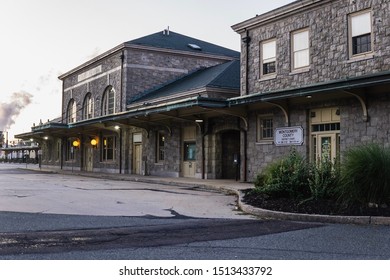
column 108, row 103
column 300, row 49
column 360, row 33
column 71, row 111
column 88, row 107
column 265, row 128
column 268, row 57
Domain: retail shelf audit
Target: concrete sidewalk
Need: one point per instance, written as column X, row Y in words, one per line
column 227, row 186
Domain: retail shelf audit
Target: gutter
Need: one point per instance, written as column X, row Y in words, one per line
column 343, row 84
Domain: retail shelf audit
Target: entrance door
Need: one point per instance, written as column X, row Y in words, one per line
column 88, row 158
column 326, row 146
column 137, row 159
column 189, row 163
column 230, row 154
column 189, row 152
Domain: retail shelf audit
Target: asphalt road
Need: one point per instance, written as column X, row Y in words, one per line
column 52, row 216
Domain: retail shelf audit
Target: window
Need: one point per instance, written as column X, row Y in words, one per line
column 360, row 33
column 265, row 128
column 88, row 107
column 108, row 104
column 268, row 57
column 71, row 111
column 189, row 151
column 160, row 146
column 300, row 49
column 69, row 150
column 108, row 148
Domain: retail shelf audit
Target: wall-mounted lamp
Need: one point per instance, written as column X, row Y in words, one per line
column 76, row 143
column 94, row 143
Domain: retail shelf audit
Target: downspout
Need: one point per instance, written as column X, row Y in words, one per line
column 121, row 83
column 121, row 109
column 246, row 40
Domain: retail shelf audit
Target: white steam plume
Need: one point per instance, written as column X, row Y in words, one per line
column 10, row 111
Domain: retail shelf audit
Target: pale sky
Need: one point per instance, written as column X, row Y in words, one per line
column 41, row 39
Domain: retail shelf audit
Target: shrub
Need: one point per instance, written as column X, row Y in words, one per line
column 324, row 177
column 365, row 175
column 285, row 178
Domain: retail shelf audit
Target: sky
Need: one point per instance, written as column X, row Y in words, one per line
column 42, row 39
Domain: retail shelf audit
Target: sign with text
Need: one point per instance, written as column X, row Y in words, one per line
column 286, row 136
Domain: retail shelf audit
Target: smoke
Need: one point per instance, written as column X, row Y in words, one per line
column 10, row 111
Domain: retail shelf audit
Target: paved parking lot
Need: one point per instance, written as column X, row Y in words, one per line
column 35, row 192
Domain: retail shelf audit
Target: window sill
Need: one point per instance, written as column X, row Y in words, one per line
column 360, row 57
column 268, row 77
column 265, row 142
column 300, row 70
column 108, row 162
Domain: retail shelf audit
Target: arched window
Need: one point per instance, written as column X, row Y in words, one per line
column 88, row 107
column 71, row 112
column 108, row 103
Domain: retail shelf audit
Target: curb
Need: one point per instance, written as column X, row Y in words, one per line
column 270, row 214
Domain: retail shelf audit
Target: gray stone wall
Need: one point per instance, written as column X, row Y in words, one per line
column 355, row 131
column 329, row 54
column 146, row 70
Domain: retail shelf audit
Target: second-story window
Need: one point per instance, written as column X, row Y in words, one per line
column 108, row 104
column 71, row 111
column 300, row 49
column 268, row 57
column 88, row 107
column 360, row 33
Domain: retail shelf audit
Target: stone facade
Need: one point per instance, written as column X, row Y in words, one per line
column 363, row 111
column 327, row 22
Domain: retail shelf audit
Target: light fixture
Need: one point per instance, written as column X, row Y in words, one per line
column 94, row 142
column 199, row 121
column 46, row 137
column 76, row 143
column 117, row 127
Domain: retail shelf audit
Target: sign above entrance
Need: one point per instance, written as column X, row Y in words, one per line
column 286, row 136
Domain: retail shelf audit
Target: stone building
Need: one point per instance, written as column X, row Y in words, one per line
column 314, row 75
column 148, row 106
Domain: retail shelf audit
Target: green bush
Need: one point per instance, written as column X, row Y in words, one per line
column 365, row 175
column 285, row 178
column 324, row 178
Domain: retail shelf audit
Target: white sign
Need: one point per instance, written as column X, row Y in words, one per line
column 286, row 136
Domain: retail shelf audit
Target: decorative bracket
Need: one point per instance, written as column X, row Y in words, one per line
column 362, row 101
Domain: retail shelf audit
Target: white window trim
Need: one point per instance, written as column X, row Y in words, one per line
column 105, row 101
column 269, row 75
column 365, row 55
column 304, row 67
